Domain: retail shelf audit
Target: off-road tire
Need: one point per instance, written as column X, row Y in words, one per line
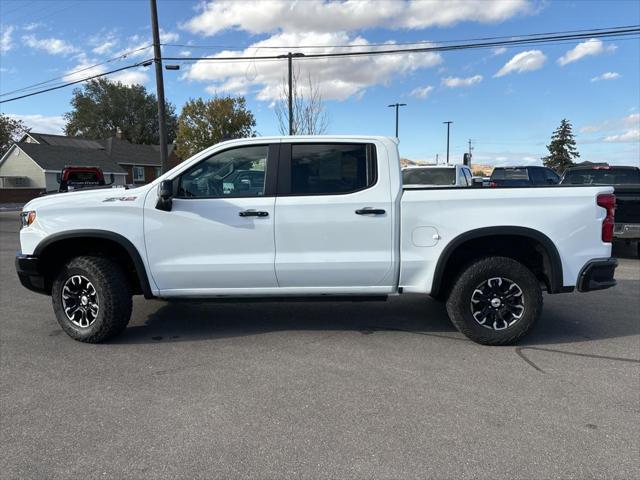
column 459, row 305
column 114, row 296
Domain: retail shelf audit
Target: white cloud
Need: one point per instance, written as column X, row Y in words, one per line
column 104, row 47
column 632, row 120
column 335, row 16
column 593, row 46
column 185, row 53
column 337, row 78
column 31, row 26
column 140, row 47
column 620, row 130
column 498, row 51
column 41, row 123
column 632, row 135
column 454, row 82
column 628, row 122
column 421, row 92
column 523, row 62
column 507, row 158
column 6, row 42
column 168, row 37
column 53, row 46
column 131, row 77
column 606, row 76
column 84, row 69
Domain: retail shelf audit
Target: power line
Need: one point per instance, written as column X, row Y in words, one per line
column 73, row 72
column 57, row 87
column 421, row 42
column 614, row 33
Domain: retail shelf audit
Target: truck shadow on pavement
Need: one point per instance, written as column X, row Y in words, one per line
column 411, row 314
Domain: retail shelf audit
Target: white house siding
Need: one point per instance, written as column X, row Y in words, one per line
column 18, row 164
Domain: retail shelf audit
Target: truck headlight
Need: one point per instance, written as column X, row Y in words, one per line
column 27, row 218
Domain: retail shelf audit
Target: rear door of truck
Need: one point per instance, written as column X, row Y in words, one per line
column 334, row 225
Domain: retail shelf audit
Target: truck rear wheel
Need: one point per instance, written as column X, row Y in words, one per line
column 92, row 299
column 495, row 301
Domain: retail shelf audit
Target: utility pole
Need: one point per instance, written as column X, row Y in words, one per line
column 157, row 59
column 448, row 131
column 397, row 107
column 289, row 56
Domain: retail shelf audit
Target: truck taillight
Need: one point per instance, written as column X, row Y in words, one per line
column 608, row 202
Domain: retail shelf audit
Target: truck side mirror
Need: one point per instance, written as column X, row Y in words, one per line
column 165, row 193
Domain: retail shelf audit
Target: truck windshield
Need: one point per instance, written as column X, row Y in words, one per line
column 429, row 176
column 604, row 176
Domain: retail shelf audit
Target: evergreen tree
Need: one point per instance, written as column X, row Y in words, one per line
column 562, row 149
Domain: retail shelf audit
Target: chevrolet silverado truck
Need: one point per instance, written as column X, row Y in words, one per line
column 312, row 217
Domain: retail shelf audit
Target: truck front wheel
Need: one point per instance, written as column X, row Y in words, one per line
column 92, row 299
column 495, row 301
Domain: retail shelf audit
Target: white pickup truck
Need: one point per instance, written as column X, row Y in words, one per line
column 314, row 216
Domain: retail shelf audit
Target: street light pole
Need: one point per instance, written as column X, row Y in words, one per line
column 289, row 56
column 157, row 59
column 397, row 107
column 448, row 131
column 290, row 65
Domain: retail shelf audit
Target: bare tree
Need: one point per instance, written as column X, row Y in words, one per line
column 309, row 116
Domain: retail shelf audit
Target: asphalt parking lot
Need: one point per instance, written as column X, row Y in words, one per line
column 319, row 390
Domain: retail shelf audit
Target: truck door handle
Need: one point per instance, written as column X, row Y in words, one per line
column 370, row 211
column 253, row 213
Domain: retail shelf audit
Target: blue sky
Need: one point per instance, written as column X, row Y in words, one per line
column 507, row 101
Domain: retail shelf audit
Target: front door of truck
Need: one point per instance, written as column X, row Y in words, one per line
column 334, row 219
column 218, row 237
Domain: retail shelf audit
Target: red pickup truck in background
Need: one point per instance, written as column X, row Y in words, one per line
column 76, row 178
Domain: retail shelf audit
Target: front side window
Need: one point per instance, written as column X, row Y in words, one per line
column 239, row 172
column 138, row 174
column 325, row 169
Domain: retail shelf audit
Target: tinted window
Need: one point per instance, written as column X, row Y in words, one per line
column 429, row 176
column 551, row 176
column 602, row 176
column 537, row 176
column 83, row 177
column 330, row 168
column 238, row 172
column 510, row 174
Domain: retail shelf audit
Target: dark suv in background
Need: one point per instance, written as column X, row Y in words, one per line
column 523, row 177
column 626, row 185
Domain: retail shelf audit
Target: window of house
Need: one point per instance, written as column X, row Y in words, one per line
column 239, row 172
column 138, row 174
column 157, row 171
column 321, row 169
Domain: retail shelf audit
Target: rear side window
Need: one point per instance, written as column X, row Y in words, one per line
column 510, row 174
column 551, row 176
column 324, row 169
column 537, row 175
column 602, row 176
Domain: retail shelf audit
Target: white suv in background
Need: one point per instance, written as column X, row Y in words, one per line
column 437, row 176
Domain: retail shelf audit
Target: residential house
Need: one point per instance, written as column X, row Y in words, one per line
column 36, row 161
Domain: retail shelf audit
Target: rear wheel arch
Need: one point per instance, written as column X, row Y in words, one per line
column 504, row 240
column 57, row 249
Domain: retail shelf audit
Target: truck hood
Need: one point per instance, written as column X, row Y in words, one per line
column 84, row 197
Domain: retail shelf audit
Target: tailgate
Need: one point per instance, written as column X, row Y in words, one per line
column 627, row 203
